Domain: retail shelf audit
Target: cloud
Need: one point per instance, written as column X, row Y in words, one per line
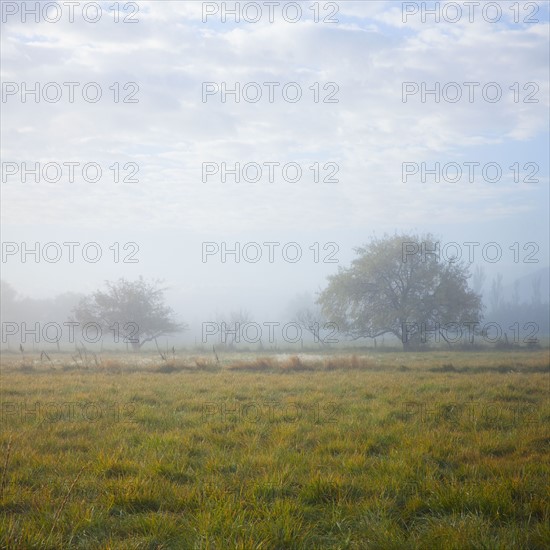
column 370, row 132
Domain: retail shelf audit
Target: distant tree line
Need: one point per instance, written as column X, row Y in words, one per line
column 392, row 288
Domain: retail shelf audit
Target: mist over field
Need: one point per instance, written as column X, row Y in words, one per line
column 252, row 301
column 274, row 274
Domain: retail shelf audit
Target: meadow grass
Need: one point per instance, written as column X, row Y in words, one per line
column 382, row 450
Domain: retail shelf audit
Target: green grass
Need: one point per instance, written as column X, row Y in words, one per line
column 435, row 450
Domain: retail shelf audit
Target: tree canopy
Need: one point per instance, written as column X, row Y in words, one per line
column 135, row 308
column 397, row 286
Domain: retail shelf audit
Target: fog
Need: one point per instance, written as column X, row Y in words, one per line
column 144, row 149
column 251, row 293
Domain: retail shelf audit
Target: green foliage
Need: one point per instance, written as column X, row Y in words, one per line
column 133, row 311
column 395, row 287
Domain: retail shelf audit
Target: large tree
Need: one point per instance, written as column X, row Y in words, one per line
column 133, row 310
column 397, row 286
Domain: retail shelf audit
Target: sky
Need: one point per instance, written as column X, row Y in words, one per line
column 175, row 129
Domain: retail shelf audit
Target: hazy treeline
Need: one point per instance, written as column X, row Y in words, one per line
column 521, row 311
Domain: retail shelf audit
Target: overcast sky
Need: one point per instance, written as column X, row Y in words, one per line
column 173, row 129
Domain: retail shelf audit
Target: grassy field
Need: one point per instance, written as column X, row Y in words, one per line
column 388, row 450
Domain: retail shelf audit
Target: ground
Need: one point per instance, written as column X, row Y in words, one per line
column 348, row 450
